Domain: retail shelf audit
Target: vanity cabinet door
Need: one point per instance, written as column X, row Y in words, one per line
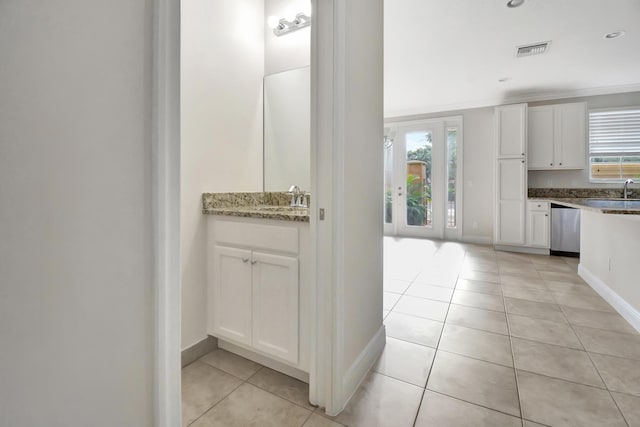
column 232, row 294
column 275, row 305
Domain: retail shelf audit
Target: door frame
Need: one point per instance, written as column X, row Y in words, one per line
column 330, row 385
column 165, row 203
column 446, row 232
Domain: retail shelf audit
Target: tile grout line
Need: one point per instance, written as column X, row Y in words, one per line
column 475, row 404
column 217, row 403
column 596, row 369
column 513, row 357
column 424, row 390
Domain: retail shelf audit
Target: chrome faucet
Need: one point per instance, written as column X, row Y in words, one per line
column 626, row 185
column 298, row 198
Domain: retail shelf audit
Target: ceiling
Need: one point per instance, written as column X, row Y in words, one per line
column 449, row 54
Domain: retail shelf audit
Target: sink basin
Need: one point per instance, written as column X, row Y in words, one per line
column 613, row 203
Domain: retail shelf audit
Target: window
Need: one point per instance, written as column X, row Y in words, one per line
column 614, row 144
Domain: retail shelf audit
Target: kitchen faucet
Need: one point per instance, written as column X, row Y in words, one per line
column 626, row 185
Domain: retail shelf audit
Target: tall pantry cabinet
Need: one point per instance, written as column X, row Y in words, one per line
column 511, row 174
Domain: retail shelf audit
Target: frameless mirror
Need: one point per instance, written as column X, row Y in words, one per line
column 287, row 116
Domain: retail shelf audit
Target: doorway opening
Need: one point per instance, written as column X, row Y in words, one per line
column 423, row 178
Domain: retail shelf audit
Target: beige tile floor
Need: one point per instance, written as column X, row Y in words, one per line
column 475, row 337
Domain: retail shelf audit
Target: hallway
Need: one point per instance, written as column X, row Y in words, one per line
column 475, row 337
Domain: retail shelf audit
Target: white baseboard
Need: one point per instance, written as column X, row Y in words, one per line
column 625, row 309
column 265, row 361
column 357, row 372
column 522, row 249
column 479, row 240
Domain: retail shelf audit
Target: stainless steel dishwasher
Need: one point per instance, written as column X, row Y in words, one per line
column 565, row 231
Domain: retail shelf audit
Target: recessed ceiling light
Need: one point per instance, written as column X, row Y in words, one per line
column 515, row 3
column 614, row 35
column 504, row 79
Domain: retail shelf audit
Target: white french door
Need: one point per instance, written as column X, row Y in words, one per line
column 423, row 176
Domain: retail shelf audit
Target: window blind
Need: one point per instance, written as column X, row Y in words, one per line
column 614, row 132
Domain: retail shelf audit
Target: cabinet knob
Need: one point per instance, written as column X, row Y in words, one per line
column 523, row 154
column 546, row 214
column 550, row 164
column 254, row 262
column 560, row 163
column 245, row 260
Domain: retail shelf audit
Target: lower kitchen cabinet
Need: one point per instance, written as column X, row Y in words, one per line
column 538, row 220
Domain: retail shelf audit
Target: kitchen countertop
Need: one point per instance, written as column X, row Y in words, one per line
column 264, row 205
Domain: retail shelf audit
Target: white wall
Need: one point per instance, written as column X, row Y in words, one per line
column 580, row 178
column 291, row 50
column 609, row 247
column 362, row 197
column 75, row 213
column 221, row 112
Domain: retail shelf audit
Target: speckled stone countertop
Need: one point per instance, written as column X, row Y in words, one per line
column 583, row 198
column 268, row 205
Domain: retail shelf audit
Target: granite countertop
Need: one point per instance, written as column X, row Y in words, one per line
column 606, row 200
column 586, row 203
column 267, row 205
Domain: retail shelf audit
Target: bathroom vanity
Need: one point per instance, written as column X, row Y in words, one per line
column 258, row 286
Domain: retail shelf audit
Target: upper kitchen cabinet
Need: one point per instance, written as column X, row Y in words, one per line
column 511, row 131
column 557, row 136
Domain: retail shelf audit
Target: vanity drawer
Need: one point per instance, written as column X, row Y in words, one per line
column 258, row 236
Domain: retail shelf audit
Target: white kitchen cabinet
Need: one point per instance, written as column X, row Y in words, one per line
column 258, row 289
column 511, row 174
column 511, row 189
column 540, row 138
column 557, row 136
column 511, row 131
column 538, row 220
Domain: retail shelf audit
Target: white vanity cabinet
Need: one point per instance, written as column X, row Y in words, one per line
column 557, row 136
column 257, row 297
column 538, row 221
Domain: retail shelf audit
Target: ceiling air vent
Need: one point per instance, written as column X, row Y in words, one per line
column 533, row 49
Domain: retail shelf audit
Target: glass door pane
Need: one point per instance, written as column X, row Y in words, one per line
column 388, row 182
column 452, row 174
column 418, row 156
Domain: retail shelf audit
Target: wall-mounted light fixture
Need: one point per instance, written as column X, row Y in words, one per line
column 287, row 24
